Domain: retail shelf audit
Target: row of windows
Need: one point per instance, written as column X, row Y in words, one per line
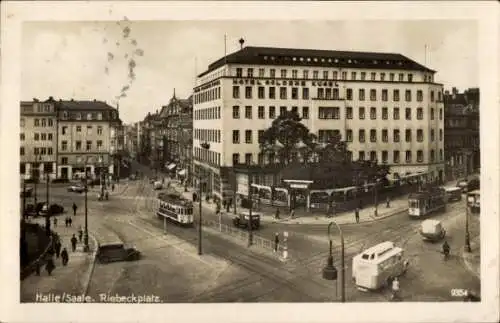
column 64, row 130
column 207, row 156
column 88, row 116
column 385, row 135
column 330, row 94
column 207, row 95
column 210, row 135
column 39, row 151
column 334, row 75
column 39, row 136
column 40, row 122
column 78, row 145
column 248, row 136
column 261, row 114
column 207, row 113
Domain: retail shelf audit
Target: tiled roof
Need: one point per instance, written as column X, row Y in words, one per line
column 84, row 105
column 314, row 57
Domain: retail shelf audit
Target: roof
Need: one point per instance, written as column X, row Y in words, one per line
column 314, row 57
column 84, row 105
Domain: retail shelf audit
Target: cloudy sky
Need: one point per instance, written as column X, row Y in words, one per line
column 139, row 63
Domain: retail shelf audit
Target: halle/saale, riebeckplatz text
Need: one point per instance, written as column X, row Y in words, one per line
column 103, row 298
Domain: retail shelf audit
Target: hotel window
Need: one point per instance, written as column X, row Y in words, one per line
column 348, row 112
column 385, row 113
column 236, row 92
column 439, row 96
column 328, row 93
column 395, row 95
column 305, row 74
column 408, row 156
column 363, row 76
column 239, row 72
column 305, row 112
column 420, row 135
column 272, row 112
column 260, row 135
column 348, row 94
column 344, row 75
column 99, row 130
column 37, row 136
column 64, row 160
column 348, row 135
column 295, row 110
column 373, row 95
column 420, row 95
column 43, row 136
column 262, row 72
column 250, row 72
column 433, row 157
column 89, row 130
column 396, row 156
column 353, row 76
column 373, row 113
column 401, row 77
column 361, row 113
column 329, row 113
column 283, row 93
column 294, row 74
column 410, row 77
column 440, row 134
column 78, row 145
column 36, row 151
column 89, row 116
column 272, row 73
column 432, row 113
column 408, row 95
column 361, row 135
column 99, row 144
column 248, row 92
column 440, row 154
column 272, row 92
column 49, row 136
column 248, row 112
column 261, row 112
column 361, row 155
column 236, row 159
column 385, row 95
column 50, row 122
column 440, row 114
column 408, row 113
column 373, row 76
column 22, row 153
column 382, row 76
column 385, row 156
column 395, row 135
column 248, row 158
column 391, row 77
column 22, row 136
column 63, row 130
column 373, row 155
column 321, row 93
column 325, row 75
column 315, row 75
column 248, row 136
column 305, row 93
column 78, row 116
column 43, row 151
column 385, row 135
column 335, row 75
column 408, row 135
column 373, row 135
column 432, row 135
column 282, row 111
column 260, row 158
column 44, row 123
column 283, row 74
column 89, row 145
column 236, row 112
column 236, row 136
column 295, row 93
column 261, row 92
column 420, row 156
column 420, row 113
column 361, row 94
column 99, row 116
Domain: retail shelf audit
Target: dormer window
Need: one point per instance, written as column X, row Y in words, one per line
column 315, row 59
column 349, row 61
column 322, row 60
column 336, row 60
column 308, row 59
column 265, row 58
column 294, row 59
column 301, row 59
column 400, row 63
column 375, row 62
column 329, row 60
column 273, row 58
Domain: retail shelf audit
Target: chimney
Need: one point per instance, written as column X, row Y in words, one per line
column 72, row 100
column 51, row 98
column 35, row 100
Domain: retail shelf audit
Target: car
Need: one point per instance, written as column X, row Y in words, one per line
column 27, row 192
column 241, row 219
column 467, row 185
column 113, row 252
column 77, row 188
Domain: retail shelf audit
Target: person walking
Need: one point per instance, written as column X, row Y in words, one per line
column 276, row 241
column 113, row 187
column 388, row 202
column 73, row 243
column 277, row 214
column 66, row 222
column 292, row 213
column 64, row 257
column 74, row 208
column 70, row 221
column 58, row 248
column 55, row 222
column 49, row 267
column 356, row 214
column 395, row 289
column 80, row 234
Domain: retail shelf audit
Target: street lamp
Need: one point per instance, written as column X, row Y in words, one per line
column 35, row 173
column 86, row 247
column 330, row 272
column 206, row 146
column 467, row 233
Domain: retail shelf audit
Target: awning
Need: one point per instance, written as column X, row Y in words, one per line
column 171, row 166
column 182, row 172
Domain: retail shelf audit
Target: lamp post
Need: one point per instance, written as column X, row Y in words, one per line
column 205, row 146
column 47, row 214
column 467, row 233
column 35, row 172
column 375, row 187
column 250, row 231
column 86, row 247
column 330, row 272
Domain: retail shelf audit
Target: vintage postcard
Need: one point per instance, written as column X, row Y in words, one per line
column 249, row 161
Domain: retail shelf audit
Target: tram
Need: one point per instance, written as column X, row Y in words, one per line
column 175, row 208
column 427, row 201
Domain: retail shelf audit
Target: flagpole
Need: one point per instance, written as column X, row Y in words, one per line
column 225, row 54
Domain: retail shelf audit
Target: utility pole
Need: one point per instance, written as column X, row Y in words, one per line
column 200, row 252
column 250, row 231
column 24, row 198
column 86, row 247
column 47, row 214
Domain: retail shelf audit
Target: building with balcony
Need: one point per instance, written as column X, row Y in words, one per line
column 386, row 106
column 461, row 135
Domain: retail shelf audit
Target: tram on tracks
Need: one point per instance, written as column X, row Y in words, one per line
column 427, row 201
column 174, row 208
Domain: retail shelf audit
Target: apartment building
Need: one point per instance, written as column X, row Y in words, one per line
column 38, row 139
column 386, row 106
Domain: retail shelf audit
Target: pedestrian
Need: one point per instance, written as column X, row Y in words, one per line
column 58, row 248
column 80, row 234
column 217, row 210
column 55, row 222
column 360, row 204
column 277, row 214
column 73, row 243
column 70, row 221
column 113, row 187
column 388, row 202
column 66, row 222
column 224, row 202
column 356, row 214
column 276, row 241
column 194, row 196
column 64, row 257
column 395, row 288
column 49, row 267
column 74, row 208
column 292, row 213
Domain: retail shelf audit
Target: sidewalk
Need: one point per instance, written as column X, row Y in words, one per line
column 472, row 259
column 66, row 281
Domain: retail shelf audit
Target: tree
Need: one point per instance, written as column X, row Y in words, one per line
column 334, row 151
column 285, row 137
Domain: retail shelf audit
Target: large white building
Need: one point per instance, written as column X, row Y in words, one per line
column 386, row 106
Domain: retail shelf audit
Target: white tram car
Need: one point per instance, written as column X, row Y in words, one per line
column 175, row 208
column 426, row 202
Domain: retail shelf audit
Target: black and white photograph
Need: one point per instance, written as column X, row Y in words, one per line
column 226, row 157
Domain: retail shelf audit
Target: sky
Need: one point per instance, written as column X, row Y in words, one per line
column 138, row 64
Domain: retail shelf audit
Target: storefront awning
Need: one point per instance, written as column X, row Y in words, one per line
column 171, row 166
column 182, row 172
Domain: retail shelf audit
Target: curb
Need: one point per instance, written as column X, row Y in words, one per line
column 90, row 271
column 468, row 265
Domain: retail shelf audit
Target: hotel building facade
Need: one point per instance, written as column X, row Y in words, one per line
column 386, row 106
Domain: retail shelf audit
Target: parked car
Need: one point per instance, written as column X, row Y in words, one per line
column 77, row 188
column 468, row 185
column 242, row 219
column 114, row 252
column 27, row 192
